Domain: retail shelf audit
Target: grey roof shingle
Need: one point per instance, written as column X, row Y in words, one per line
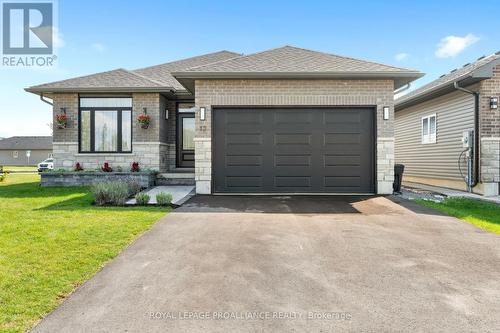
column 448, row 79
column 27, row 143
column 294, row 59
column 162, row 73
column 155, row 77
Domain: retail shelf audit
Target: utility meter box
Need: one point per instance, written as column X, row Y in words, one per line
column 468, row 138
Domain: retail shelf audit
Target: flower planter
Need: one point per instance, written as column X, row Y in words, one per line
column 86, row 178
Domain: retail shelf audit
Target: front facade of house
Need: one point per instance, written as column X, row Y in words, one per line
column 431, row 120
column 287, row 120
column 25, row 150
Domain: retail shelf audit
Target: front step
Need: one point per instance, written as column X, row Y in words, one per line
column 175, row 178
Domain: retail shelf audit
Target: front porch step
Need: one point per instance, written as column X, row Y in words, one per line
column 175, row 178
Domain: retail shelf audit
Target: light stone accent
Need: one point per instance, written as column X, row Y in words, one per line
column 203, row 165
column 360, row 93
column 385, row 165
column 146, row 153
column 490, row 165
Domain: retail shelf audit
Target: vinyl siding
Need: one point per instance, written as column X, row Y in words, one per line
column 454, row 114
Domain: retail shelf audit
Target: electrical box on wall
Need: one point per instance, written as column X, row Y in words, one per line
column 468, row 138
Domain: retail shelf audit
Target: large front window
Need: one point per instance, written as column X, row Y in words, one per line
column 105, row 125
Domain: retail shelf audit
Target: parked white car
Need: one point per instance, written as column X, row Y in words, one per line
column 46, row 165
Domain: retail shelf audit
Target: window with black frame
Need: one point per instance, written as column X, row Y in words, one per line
column 105, row 125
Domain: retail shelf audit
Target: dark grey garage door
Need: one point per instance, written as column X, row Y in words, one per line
column 293, row 150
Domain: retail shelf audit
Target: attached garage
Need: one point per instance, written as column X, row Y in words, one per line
column 292, row 121
column 294, row 150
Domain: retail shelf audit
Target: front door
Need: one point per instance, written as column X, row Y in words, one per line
column 185, row 135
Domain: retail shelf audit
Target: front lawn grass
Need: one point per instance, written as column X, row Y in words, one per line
column 482, row 214
column 51, row 241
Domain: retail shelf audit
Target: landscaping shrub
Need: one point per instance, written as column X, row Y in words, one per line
column 111, row 193
column 2, row 176
column 142, row 199
column 134, row 187
column 164, row 199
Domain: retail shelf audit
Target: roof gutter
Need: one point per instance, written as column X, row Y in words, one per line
column 44, row 100
column 476, row 129
column 403, row 88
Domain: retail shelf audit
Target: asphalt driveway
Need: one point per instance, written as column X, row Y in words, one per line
column 294, row 264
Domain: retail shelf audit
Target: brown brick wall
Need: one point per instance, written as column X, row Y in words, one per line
column 490, row 118
column 70, row 102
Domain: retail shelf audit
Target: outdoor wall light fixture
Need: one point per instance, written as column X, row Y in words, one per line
column 166, row 113
column 202, row 113
column 386, row 113
column 493, row 102
column 63, row 110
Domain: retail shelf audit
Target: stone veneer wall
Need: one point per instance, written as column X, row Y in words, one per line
column 489, row 122
column 378, row 93
column 147, row 148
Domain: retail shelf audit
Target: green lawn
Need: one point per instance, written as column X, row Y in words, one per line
column 12, row 168
column 52, row 240
column 485, row 215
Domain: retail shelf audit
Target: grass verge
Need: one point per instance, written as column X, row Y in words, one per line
column 51, row 241
column 484, row 215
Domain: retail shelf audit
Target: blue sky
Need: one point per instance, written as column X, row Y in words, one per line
column 431, row 36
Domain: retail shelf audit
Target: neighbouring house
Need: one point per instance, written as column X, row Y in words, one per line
column 431, row 120
column 286, row 120
column 13, row 150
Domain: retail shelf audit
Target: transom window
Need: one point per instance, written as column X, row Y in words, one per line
column 429, row 126
column 105, row 124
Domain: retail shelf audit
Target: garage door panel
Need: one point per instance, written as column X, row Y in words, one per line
column 293, row 150
column 292, row 117
column 243, row 181
column 292, row 139
column 344, row 160
column 244, row 139
column 292, row 182
column 243, row 160
column 283, row 160
column 341, row 138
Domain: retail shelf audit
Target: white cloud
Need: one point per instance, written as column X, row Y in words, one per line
column 98, row 47
column 401, row 56
column 451, row 46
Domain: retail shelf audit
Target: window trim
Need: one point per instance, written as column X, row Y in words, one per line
column 92, row 110
column 429, row 138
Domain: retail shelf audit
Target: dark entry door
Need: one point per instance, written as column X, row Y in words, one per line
column 294, row 150
column 185, row 140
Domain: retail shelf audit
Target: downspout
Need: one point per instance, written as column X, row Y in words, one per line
column 476, row 130
column 44, row 100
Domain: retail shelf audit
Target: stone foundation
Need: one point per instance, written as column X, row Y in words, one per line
column 490, row 165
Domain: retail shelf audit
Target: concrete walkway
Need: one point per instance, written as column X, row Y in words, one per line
column 180, row 193
column 453, row 193
column 294, row 264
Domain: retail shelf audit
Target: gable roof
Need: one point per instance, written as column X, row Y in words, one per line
column 294, row 62
column 470, row 73
column 26, row 143
column 152, row 79
column 162, row 73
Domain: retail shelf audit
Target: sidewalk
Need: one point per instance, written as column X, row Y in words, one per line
column 452, row 193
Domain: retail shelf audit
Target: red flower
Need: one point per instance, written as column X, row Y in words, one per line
column 78, row 166
column 106, row 167
column 135, row 167
column 61, row 119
